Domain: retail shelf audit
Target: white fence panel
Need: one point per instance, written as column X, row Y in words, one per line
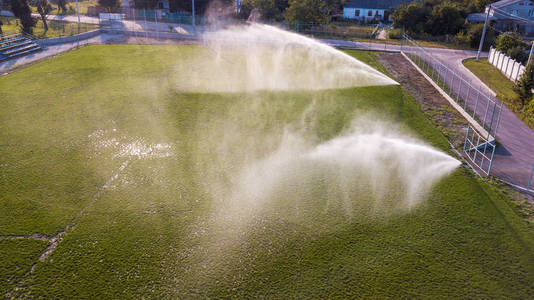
column 509, row 67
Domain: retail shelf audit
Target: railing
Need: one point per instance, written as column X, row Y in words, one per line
column 483, row 108
column 480, row 145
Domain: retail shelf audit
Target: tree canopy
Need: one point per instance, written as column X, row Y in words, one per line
column 21, row 10
column 110, row 5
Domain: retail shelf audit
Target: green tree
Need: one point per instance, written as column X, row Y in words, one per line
column 21, row 10
column 409, row 16
column 110, row 5
column 444, row 19
column 61, row 6
column 268, row 9
column 473, row 35
column 518, row 53
column 307, row 11
column 201, row 6
column 524, row 86
column 509, row 40
column 481, row 4
column 147, row 4
column 43, row 8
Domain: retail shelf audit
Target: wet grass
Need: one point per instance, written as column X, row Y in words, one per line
column 151, row 231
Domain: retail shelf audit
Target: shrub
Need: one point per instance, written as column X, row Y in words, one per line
column 509, row 40
column 518, row 53
column 472, row 36
column 524, row 86
column 395, row 34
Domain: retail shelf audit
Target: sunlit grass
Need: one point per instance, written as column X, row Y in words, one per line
column 153, row 231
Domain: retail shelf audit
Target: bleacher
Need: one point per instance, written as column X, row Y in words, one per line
column 16, row 45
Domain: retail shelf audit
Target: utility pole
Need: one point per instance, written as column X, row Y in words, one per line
column 483, row 33
column 531, row 52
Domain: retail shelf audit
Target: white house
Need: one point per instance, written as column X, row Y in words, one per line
column 509, row 15
column 368, row 10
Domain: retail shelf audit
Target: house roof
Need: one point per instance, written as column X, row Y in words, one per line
column 375, row 4
column 479, row 18
column 504, row 3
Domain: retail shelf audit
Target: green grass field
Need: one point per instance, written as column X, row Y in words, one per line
column 102, row 142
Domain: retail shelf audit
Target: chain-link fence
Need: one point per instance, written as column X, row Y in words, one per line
column 488, row 147
column 11, row 25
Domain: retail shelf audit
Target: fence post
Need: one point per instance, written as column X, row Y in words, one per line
column 467, row 97
column 476, row 103
column 530, row 179
column 146, row 29
column 492, row 118
column 135, row 23
column 466, row 137
column 486, row 113
column 156, row 18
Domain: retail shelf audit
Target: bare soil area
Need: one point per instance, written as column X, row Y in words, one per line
column 451, row 123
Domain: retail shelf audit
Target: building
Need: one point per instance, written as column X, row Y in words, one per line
column 369, row 10
column 509, row 15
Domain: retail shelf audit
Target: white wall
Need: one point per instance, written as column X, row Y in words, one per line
column 349, row 13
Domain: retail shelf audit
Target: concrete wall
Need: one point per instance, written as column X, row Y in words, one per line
column 68, row 39
column 151, row 34
column 509, row 67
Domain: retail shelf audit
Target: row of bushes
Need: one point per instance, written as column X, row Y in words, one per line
column 470, row 37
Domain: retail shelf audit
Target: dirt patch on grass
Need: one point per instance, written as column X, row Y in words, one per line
column 451, row 123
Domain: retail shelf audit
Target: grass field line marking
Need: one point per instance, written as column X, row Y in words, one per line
column 35, row 236
column 56, row 239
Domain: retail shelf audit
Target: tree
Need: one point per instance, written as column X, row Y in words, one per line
column 21, row 10
column 146, row 4
column 481, row 4
column 473, row 35
column 524, row 86
column 43, row 8
column 509, row 40
column 312, row 11
column 111, row 5
column 269, row 9
column 62, row 6
column 409, row 16
column 444, row 19
column 518, row 53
